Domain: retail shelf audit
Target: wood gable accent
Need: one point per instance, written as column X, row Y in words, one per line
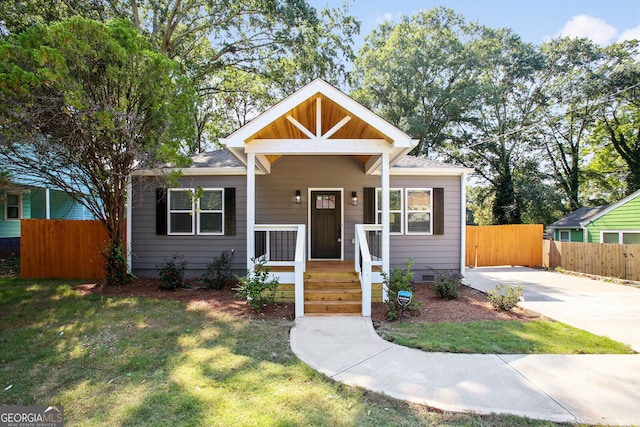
column 318, row 119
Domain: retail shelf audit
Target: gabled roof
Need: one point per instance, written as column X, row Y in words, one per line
column 583, row 216
column 613, row 206
column 576, row 218
column 319, row 119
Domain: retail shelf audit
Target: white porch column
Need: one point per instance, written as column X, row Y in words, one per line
column 129, row 220
column 385, row 218
column 463, row 222
column 251, row 207
column 47, row 204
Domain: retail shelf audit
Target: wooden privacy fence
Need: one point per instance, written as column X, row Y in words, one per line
column 62, row 249
column 601, row 259
column 519, row 244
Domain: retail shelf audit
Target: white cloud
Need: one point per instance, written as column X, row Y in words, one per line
column 387, row 17
column 631, row 34
column 588, row 26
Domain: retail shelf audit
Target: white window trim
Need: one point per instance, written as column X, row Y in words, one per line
column 220, row 211
column 620, row 234
column 560, row 239
column 6, row 205
column 407, row 212
column 401, row 211
column 169, row 212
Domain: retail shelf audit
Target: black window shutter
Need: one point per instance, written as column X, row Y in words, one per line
column 438, row 211
column 229, row 211
column 161, row 211
column 369, row 205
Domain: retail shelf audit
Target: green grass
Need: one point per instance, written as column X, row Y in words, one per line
column 138, row 361
column 501, row 337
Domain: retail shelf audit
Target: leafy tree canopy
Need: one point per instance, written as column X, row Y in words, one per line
column 83, row 104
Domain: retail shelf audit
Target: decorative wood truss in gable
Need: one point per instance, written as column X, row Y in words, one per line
column 318, row 120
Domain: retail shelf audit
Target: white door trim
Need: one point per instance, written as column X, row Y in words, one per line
column 309, row 206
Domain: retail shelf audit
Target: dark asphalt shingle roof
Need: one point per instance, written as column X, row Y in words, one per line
column 576, row 218
column 224, row 159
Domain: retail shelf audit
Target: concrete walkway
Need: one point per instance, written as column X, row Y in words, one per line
column 593, row 389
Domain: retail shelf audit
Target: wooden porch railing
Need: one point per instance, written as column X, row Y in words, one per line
column 366, row 237
column 284, row 246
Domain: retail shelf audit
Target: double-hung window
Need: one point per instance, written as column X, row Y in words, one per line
column 418, row 211
column 621, row 237
column 204, row 215
column 395, row 209
column 410, row 210
column 181, row 211
column 12, row 204
column 211, row 211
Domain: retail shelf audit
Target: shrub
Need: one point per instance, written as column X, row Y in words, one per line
column 115, row 266
column 447, row 285
column 218, row 271
column 400, row 280
column 256, row 288
column 504, row 300
column 172, row 272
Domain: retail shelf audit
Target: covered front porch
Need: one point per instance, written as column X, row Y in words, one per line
column 322, row 287
column 322, row 148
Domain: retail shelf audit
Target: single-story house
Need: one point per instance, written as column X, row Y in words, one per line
column 23, row 201
column 322, row 189
column 617, row 223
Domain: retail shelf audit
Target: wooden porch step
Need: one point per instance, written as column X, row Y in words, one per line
column 333, row 295
column 332, row 292
column 321, row 285
column 333, row 307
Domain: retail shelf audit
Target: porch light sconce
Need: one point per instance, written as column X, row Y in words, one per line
column 354, row 198
column 298, row 197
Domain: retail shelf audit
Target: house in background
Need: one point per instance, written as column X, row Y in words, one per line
column 319, row 187
column 617, row 223
column 21, row 201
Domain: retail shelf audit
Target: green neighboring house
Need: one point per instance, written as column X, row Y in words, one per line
column 20, row 201
column 617, row 223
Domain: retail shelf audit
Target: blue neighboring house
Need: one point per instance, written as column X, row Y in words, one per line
column 22, row 201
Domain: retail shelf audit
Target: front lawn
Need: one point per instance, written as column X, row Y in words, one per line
column 144, row 361
column 501, row 337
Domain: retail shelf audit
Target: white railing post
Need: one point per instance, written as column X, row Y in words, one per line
column 299, row 267
column 365, row 269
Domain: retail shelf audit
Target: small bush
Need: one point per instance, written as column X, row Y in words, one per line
column 447, row 285
column 172, row 272
column 400, row 280
column 218, row 271
column 115, row 266
column 256, row 288
column 504, row 300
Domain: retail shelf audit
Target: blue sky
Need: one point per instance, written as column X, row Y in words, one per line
column 536, row 21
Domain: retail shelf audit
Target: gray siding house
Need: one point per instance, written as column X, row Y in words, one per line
column 317, row 182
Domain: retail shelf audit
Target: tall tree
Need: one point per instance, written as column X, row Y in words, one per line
column 619, row 123
column 282, row 43
column 497, row 139
column 569, row 86
column 418, row 74
column 83, row 105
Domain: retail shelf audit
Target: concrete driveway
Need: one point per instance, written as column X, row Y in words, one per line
column 599, row 307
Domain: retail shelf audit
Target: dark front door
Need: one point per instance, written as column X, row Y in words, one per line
column 326, row 215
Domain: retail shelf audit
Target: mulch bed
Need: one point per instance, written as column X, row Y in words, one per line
column 471, row 304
